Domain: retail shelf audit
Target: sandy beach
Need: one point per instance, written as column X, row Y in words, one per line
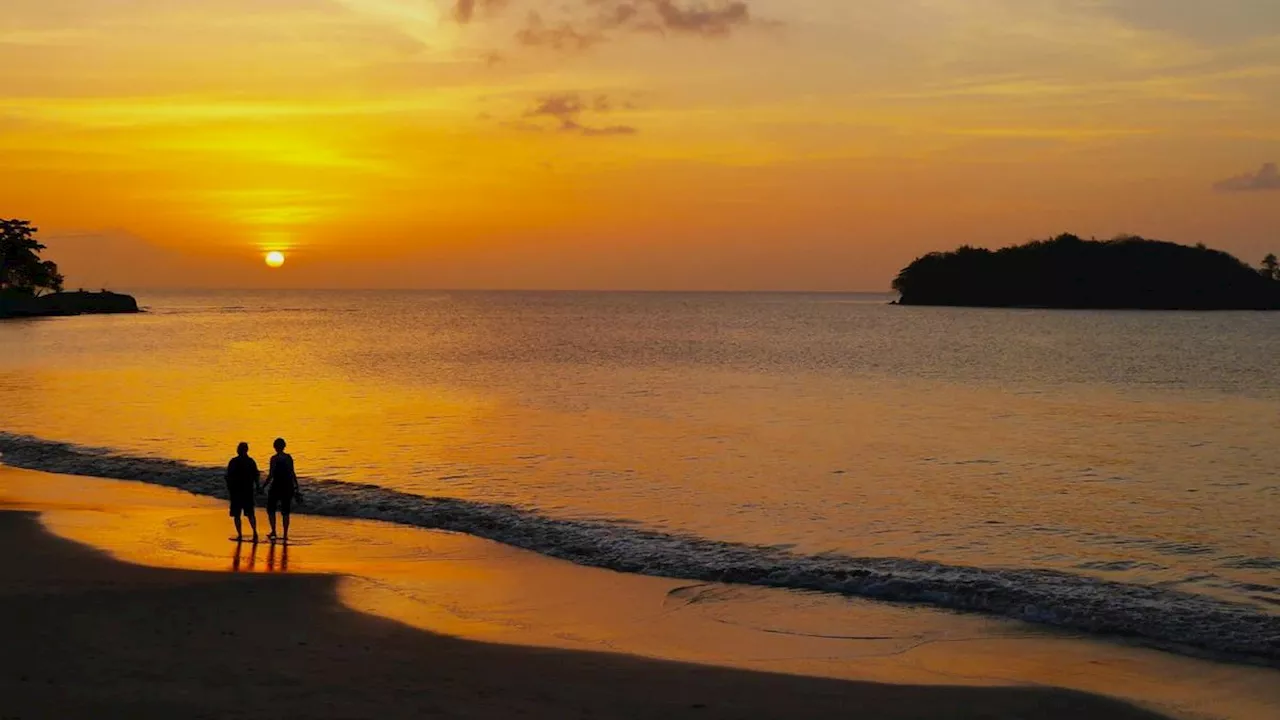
column 124, row 599
column 89, row 636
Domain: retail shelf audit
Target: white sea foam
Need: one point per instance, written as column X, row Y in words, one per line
column 1168, row 618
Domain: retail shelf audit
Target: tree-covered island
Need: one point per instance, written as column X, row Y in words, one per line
column 1071, row 272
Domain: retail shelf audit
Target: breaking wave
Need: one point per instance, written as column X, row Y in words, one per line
column 1171, row 619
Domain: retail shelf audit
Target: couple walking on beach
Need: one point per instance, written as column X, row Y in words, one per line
column 243, row 487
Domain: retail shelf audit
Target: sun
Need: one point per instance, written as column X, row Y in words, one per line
column 275, row 259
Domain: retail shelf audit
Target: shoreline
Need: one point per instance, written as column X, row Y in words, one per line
column 15, row 306
column 636, row 634
column 100, row 637
column 1202, row 627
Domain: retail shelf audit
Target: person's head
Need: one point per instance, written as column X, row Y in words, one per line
column 278, row 444
column 242, row 449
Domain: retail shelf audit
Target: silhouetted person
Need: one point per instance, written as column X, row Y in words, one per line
column 242, row 486
column 282, row 487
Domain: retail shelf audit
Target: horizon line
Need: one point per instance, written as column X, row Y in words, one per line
column 631, row 291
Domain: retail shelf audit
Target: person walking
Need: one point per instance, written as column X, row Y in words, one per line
column 282, row 488
column 242, row 485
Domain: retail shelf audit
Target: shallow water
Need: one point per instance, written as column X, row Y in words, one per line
column 794, row 440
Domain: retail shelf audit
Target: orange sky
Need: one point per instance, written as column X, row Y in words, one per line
column 655, row 144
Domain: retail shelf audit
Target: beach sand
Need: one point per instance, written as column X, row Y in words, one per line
column 125, row 598
column 90, row 636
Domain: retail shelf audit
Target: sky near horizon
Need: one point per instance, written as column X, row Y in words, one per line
column 629, row 144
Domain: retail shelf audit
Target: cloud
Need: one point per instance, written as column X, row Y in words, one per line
column 464, row 11
column 1267, row 178
column 567, row 109
column 701, row 20
column 582, row 24
column 562, row 36
column 1221, row 22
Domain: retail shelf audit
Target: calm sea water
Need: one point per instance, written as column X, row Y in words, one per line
column 1108, row 471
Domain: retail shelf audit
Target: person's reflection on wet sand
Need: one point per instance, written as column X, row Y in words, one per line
column 239, row 553
column 284, row 558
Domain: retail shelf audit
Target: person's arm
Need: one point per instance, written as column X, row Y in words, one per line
column 271, row 473
column 230, row 479
column 295, row 478
column 257, row 480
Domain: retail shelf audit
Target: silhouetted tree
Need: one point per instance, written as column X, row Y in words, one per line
column 1271, row 267
column 21, row 268
column 1070, row 272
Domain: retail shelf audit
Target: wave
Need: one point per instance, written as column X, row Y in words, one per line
column 1171, row 619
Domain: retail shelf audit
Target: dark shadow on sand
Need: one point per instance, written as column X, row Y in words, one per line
column 89, row 636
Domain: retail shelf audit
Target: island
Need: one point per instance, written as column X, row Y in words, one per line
column 32, row 287
column 15, row 305
column 1069, row 272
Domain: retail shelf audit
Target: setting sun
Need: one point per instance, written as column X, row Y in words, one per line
column 275, row 259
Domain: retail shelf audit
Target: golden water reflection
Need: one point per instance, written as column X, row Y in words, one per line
column 237, row 557
column 244, row 558
column 753, row 420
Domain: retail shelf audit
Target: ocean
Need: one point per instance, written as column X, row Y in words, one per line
column 1111, row 472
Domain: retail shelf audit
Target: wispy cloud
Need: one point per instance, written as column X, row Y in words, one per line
column 582, row 24
column 1267, row 178
column 464, row 11
column 698, row 20
column 567, row 110
column 562, row 36
column 1222, row 22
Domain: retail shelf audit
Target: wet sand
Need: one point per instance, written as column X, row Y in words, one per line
column 476, row 592
column 90, row 636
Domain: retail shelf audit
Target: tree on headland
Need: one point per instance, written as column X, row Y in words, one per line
column 1271, row 267
column 21, row 269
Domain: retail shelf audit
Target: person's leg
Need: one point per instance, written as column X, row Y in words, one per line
column 239, row 532
column 253, row 523
column 271, row 514
column 286, row 509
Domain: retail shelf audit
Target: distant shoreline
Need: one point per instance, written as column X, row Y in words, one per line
column 1091, row 308
column 15, row 306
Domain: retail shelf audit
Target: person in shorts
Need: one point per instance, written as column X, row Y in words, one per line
column 282, row 488
column 242, row 486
